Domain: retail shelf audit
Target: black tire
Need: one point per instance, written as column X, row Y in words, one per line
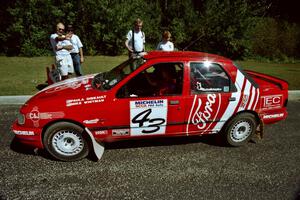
column 240, row 129
column 65, row 141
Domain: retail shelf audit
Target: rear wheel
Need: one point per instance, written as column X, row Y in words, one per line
column 65, row 141
column 240, row 129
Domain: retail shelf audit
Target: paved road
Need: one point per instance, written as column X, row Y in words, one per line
column 177, row 168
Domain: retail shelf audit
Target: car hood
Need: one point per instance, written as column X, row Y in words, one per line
column 60, row 91
column 72, row 82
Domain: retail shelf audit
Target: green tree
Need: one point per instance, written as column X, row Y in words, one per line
column 223, row 26
column 234, row 29
column 30, row 28
column 274, row 39
column 104, row 24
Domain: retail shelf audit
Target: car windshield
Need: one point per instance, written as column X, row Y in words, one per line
column 107, row 80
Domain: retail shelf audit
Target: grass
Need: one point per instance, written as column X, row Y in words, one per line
column 287, row 71
column 20, row 76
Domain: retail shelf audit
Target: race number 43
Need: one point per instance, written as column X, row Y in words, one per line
column 148, row 117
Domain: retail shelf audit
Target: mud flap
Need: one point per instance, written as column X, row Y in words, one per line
column 259, row 132
column 97, row 147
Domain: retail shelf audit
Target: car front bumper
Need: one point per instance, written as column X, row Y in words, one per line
column 28, row 136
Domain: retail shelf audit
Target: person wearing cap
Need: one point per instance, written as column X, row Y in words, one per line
column 76, row 52
column 165, row 44
column 61, row 46
column 135, row 39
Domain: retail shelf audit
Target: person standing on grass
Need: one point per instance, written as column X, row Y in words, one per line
column 165, row 44
column 76, row 52
column 135, row 39
column 61, row 47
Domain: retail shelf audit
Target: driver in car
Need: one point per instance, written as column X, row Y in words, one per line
column 165, row 80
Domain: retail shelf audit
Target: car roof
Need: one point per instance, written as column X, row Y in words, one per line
column 184, row 54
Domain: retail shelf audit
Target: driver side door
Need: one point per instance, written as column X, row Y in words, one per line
column 144, row 112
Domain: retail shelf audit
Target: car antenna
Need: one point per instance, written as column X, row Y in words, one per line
column 192, row 43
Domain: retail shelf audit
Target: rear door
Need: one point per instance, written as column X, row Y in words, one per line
column 211, row 92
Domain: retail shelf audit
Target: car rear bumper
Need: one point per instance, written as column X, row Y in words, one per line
column 273, row 117
column 28, row 136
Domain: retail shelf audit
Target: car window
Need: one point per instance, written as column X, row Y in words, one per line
column 162, row 79
column 208, row 77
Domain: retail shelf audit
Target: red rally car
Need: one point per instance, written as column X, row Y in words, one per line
column 158, row 94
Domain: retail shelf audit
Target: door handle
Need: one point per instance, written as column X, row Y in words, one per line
column 174, row 102
column 232, row 99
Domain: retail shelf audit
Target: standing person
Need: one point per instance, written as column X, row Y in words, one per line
column 135, row 39
column 76, row 52
column 61, row 47
column 165, row 44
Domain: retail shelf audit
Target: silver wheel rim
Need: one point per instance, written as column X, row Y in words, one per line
column 240, row 131
column 67, row 143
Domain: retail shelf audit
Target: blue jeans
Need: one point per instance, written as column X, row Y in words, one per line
column 76, row 64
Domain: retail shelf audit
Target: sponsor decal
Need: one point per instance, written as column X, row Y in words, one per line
column 35, row 116
column 73, row 86
column 86, row 100
column 244, row 87
column 256, row 100
column 120, row 132
column 51, row 115
column 244, row 101
column 148, row 117
column 201, row 112
column 102, row 132
column 278, row 115
column 91, row 121
column 88, row 87
column 23, row 132
column 73, row 83
column 74, row 102
column 272, row 101
column 226, row 88
column 200, row 88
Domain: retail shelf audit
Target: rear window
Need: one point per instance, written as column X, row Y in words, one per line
column 245, row 74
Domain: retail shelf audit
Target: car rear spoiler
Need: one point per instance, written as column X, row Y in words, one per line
column 282, row 84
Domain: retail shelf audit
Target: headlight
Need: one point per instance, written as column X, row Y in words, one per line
column 21, row 119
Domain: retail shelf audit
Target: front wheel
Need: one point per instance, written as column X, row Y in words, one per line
column 65, row 141
column 240, row 129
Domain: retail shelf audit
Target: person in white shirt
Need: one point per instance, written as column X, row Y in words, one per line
column 61, row 47
column 76, row 52
column 135, row 39
column 165, row 44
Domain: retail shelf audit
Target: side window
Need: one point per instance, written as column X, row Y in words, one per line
column 163, row 79
column 208, row 77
